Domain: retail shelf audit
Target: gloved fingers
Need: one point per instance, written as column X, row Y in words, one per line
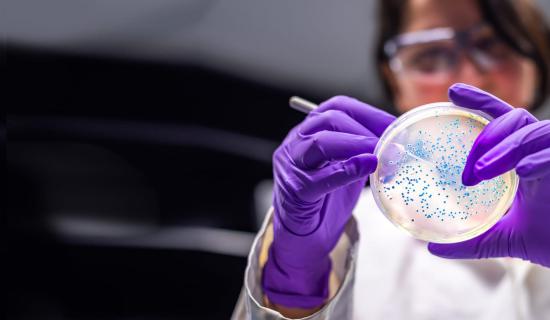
column 320, row 148
column 509, row 152
column 372, row 118
column 492, row 134
column 534, row 166
column 491, row 244
column 339, row 174
column 473, row 98
column 332, row 120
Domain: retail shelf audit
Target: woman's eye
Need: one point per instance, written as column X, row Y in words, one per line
column 432, row 60
column 493, row 47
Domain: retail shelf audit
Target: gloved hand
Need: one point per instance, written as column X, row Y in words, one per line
column 515, row 139
column 319, row 171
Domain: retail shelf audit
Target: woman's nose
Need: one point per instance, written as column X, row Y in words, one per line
column 471, row 72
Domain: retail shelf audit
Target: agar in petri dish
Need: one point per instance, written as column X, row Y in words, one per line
column 418, row 180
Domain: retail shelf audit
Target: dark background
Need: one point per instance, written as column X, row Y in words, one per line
column 118, row 142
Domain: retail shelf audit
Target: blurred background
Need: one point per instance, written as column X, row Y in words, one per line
column 140, row 141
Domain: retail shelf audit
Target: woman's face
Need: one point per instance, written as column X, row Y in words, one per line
column 512, row 78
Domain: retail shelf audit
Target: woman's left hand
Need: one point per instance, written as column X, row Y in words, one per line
column 515, row 139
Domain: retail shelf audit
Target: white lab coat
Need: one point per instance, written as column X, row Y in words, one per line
column 389, row 275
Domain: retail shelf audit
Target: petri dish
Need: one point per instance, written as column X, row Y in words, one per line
column 418, row 180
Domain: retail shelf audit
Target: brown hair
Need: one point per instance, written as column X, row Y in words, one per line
column 518, row 22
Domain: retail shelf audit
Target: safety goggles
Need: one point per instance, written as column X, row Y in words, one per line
column 436, row 53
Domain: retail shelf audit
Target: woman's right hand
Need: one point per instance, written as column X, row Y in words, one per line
column 319, row 172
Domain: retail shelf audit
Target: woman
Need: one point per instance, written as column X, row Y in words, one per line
column 304, row 261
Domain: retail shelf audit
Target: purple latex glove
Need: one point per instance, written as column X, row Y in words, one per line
column 319, row 172
column 514, row 140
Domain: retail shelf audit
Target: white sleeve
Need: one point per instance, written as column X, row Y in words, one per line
column 344, row 259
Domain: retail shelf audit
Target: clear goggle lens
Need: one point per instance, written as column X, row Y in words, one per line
column 435, row 52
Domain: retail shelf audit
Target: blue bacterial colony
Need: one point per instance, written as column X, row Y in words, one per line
column 420, row 179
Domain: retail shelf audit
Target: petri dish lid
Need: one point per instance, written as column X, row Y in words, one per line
column 418, row 180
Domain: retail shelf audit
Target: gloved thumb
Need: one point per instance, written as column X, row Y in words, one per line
column 492, row 244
